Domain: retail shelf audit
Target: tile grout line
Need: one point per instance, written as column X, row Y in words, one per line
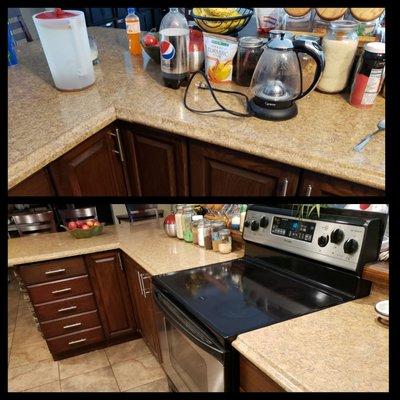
column 112, row 370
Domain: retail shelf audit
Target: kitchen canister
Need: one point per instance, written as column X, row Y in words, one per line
column 65, row 43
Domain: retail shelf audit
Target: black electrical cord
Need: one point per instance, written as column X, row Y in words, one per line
column 212, row 90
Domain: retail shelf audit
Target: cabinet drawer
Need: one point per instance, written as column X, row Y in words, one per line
column 72, row 341
column 44, row 292
column 60, row 308
column 77, row 322
column 52, row 270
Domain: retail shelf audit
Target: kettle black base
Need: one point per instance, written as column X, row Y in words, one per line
column 272, row 113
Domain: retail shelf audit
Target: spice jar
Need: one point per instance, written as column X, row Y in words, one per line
column 187, row 215
column 249, row 51
column 204, row 234
column 178, row 221
column 225, row 245
column 216, row 227
column 339, row 46
column 369, row 75
column 195, row 222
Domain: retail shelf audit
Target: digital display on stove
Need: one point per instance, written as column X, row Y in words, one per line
column 293, row 228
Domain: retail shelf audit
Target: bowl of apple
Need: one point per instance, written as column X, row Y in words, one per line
column 84, row 229
column 150, row 42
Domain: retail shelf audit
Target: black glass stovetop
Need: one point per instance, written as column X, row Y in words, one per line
column 234, row 297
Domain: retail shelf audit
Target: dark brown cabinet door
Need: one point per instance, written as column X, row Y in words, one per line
column 217, row 171
column 93, row 168
column 139, row 283
column 110, row 288
column 38, row 184
column 156, row 161
column 313, row 184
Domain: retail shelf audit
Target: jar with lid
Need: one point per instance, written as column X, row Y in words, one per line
column 324, row 16
column 297, row 19
column 248, row 53
column 216, row 227
column 178, row 221
column 225, row 244
column 187, row 215
column 204, row 234
column 195, row 222
column 340, row 47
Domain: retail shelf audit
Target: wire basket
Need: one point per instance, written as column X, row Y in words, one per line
column 222, row 25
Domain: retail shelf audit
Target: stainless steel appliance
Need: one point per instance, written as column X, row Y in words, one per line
column 291, row 267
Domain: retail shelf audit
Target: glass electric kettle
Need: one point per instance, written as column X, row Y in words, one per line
column 277, row 80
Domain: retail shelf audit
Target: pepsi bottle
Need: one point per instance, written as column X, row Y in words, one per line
column 174, row 49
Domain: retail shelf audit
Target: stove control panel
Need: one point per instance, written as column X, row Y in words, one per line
column 335, row 243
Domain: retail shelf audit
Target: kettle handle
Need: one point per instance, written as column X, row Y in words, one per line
column 82, row 69
column 314, row 50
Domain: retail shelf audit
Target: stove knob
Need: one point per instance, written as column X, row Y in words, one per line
column 264, row 222
column 246, row 223
column 254, row 225
column 323, row 241
column 350, row 246
column 337, row 236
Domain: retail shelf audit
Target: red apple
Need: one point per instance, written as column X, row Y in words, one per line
column 150, row 40
column 84, row 226
column 97, row 223
column 72, row 225
column 90, row 222
column 79, row 224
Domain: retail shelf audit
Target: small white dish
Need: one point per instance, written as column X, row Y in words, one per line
column 382, row 309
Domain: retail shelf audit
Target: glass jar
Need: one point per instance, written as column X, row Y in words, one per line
column 204, row 234
column 216, row 227
column 249, row 51
column 178, row 221
column 340, row 47
column 195, row 222
column 301, row 23
column 225, row 245
column 187, row 215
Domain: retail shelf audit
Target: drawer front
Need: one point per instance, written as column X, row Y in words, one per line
column 72, row 341
column 52, row 270
column 63, row 326
column 44, row 292
column 62, row 308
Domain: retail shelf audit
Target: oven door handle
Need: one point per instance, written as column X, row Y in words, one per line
column 175, row 320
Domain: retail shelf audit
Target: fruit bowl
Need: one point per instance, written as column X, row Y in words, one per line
column 79, row 233
column 152, row 51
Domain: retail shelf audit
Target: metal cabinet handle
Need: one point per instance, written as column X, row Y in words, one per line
column 68, row 289
column 308, row 190
column 119, row 144
column 120, row 262
column 145, row 292
column 55, row 271
column 72, row 325
column 285, row 184
column 67, row 308
column 140, row 282
column 77, row 341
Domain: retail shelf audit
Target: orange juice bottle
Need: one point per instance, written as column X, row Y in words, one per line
column 133, row 30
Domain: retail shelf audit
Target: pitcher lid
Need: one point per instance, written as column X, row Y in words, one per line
column 57, row 13
column 280, row 43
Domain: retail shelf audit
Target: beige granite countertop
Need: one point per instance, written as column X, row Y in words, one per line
column 143, row 241
column 44, row 123
column 339, row 349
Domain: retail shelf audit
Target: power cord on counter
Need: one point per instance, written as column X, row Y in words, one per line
column 208, row 86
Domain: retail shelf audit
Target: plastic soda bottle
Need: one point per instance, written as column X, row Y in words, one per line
column 133, row 30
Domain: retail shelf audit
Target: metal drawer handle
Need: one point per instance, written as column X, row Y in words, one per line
column 72, row 325
column 144, row 288
column 67, row 308
column 119, row 144
column 77, row 341
column 285, row 186
column 68, row 289
column 308, row 190
column 55, row 271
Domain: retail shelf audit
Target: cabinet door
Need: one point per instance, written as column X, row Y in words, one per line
column 313, row 184
column 217, row 171
column 111, row 292
column 156, row 162
column 93, row 168
column 38, row 184
column 142, row 298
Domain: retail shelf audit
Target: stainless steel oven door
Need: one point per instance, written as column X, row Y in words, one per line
column 192, row 358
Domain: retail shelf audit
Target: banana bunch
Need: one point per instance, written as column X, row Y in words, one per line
column 220, row 26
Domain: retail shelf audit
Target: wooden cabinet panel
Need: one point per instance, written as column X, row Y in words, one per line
column 254, row 380
column 90, row 169
column 216, row 171
column 313, row 184
column 38, row 184
column 156, row 162
column 111, row 292
column 140, row 290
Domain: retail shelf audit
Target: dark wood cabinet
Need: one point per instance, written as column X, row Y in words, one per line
column 217, row 171
column 313, row 184
column 139, row 282
column 93, row 168
column 38, row 184
column 156, row 162
column 112, row 296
